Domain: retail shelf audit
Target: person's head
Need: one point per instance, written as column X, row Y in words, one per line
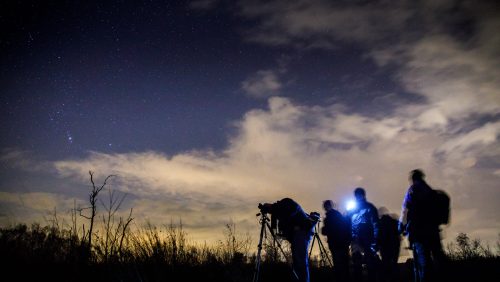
column 382, row 211
column 328, row 205
column 416, row 175
column 360, row 194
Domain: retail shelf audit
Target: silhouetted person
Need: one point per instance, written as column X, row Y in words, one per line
column 297, row 227
column 364, row 224
column 389, row 242
column 337, row 229
column 417, row 222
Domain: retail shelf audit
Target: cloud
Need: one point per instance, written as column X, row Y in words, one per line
column 379, row 24
column 458, row 73
column 309, row 153
column 22, row 159
column 264, row 83
column 323, row 24
column 480, row 137
column 457, row 82
column 35, row 207
column 444, row 52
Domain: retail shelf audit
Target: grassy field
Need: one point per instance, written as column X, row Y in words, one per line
column 35, row 253
column 106, row 248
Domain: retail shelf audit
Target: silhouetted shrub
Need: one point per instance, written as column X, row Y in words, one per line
column 466, row 249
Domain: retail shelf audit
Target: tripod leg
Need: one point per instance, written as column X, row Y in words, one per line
column 282, row 251
column 312, row 245
column 324, row 252
column 257, row 260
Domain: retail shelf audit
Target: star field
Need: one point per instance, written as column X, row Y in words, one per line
column 94, row 75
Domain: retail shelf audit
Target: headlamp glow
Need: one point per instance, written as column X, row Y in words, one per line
column 350, row 205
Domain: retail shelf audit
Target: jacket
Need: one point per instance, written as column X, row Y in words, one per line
column 416, row 216
column 364, row 222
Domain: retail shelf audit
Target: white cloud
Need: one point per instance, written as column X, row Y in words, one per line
column 309, row 153
column 35, row 207
column 456, row 81
column 482, row 137
column 457, row 78
column 264, row 83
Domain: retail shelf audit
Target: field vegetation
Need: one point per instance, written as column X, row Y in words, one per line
column 112, row 248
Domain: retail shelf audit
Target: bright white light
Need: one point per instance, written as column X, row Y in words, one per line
column 351, row 204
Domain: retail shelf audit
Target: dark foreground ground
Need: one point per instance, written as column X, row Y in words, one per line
column 51, row 254
column 478, row 270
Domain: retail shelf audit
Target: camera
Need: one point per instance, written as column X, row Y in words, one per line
column 314, row 216
column 264, row 208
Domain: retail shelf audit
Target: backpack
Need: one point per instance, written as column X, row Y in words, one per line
column 429, row 211
column 440, row 206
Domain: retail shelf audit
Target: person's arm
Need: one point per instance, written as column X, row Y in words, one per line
column 373, row 216
column 403, row 218
column 375, row 222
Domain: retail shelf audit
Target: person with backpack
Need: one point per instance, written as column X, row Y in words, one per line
column 297, row 227
column 337, row 229
column 364, row 223
column 420, row 219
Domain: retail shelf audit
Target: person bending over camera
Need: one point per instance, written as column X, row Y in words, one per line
column 297, row 227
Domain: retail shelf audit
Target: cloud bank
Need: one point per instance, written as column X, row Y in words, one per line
column 309, row 153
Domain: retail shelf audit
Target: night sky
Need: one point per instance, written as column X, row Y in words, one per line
column 203, row 109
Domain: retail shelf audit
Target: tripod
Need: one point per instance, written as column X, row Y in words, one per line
column 264, row 221
column 322, row 250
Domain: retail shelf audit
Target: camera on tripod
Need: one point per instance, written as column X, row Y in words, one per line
column 315, row 217
column 288, row 222
column 264, row 209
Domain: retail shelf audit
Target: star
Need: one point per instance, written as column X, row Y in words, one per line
column 69, row 137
